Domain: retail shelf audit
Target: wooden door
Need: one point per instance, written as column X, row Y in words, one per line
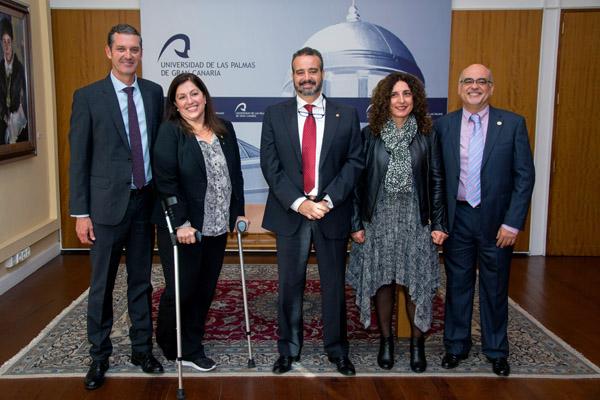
column 508, row 42
column 78, row 38
column 575, row 179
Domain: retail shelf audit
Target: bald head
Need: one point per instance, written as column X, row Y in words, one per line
column 478, row 69
column 475, row 87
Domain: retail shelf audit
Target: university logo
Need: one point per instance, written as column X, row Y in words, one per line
column 241, row 107
column 174, row 38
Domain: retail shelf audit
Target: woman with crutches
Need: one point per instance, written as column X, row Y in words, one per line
column 196, row 162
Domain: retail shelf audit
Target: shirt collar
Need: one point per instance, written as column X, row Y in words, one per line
column 482, row 113
column 319, row 103
column 119, row 86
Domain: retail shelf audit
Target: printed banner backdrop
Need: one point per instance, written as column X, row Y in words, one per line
column 242, row 51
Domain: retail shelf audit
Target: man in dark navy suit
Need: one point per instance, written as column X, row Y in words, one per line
column 311, row 157
column 489, row 182
column 113, row 125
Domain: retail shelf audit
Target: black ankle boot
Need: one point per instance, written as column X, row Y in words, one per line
column 418, row 363
column 385, row 358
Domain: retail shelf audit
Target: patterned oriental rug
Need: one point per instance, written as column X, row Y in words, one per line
column 61, row 349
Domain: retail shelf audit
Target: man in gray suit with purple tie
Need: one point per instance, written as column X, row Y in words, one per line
column 113, row 126
column 489, row 181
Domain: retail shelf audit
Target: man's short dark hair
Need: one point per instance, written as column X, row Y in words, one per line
column 124, row 29
column 307, row 51
column 6, row 28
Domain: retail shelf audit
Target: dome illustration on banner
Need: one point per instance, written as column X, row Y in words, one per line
column 357, row 55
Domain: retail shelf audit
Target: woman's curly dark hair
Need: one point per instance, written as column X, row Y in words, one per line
column 379, row 113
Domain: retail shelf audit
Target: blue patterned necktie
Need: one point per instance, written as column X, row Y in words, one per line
column 473, row 186
column 135, row 141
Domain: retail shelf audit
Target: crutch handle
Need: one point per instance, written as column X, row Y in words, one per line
column 241, row 226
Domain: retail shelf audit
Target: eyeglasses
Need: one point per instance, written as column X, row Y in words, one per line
column 478, row 81
column 304, row 113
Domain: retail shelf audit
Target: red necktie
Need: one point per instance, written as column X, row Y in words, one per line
column 309, row 147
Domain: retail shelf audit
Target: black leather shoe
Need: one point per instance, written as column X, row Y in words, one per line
column 149, row 364
column 95, row 375
column 452, row 360
column 284, row 364
column 500, row 366
column 418, row 363
column 385, row 358
column 343, row 365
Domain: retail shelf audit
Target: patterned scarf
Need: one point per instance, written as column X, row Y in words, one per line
column 398, row 178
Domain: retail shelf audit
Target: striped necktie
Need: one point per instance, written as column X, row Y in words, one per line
column 473, row 187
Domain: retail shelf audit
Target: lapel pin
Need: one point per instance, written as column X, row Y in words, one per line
column 499, row 123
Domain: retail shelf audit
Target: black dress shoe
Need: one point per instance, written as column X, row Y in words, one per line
column 452, row 360
column 385, row 357
column 500, row 366
column 149, row 364
column 418, row 363
column 284, row 364
column 343, row 365
column 95, row 375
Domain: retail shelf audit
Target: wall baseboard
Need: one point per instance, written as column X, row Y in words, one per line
column 31, row 265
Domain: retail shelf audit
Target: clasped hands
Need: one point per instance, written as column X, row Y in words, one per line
column 313, row 210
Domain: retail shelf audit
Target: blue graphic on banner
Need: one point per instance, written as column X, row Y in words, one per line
column 252, row 109
column 248, row 68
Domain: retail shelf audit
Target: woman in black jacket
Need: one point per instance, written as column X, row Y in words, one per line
column 399, row 214
column 197, row 161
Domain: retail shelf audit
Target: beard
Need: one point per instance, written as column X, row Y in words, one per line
column 309, row 91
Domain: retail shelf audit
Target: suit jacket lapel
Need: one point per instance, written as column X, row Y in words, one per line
column 291, row 120
column 192, row 142
column 332, row 119
column 493, row 132
column 115, row 110
column 455, row 125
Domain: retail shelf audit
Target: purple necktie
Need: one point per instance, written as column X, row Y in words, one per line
column 135, row 141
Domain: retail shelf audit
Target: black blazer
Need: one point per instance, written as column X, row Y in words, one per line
column 507, row 171
column 179, row 170
column 340, row 165
column 101, row 166
column 428, row 179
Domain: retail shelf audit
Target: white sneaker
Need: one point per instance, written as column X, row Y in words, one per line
column 203, row 364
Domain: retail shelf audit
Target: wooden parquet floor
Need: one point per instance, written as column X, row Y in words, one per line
column 561, row 292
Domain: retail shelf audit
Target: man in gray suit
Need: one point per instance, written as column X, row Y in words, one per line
column 311, row 157
column 489, row 180
column 113, row 126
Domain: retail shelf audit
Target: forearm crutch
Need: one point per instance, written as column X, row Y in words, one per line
column 241, row 228
column 168, row 204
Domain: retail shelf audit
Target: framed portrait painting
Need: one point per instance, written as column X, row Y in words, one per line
column 17, row 117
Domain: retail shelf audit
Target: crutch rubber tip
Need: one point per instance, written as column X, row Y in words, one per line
column 251, row 363
column 180, row 394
